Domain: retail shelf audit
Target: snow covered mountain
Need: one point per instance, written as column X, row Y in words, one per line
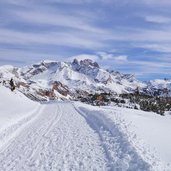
column 76, row 136
column 161, row 87
column 56, row 80
column 72, row 135
column 84, row 75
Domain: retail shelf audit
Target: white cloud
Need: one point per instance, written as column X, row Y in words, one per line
column 105, row 55
column 55, row 19
column 110, row 56
column 151, row 67
column 72, row 24
column 78, row 31
column 158, row 19
column 141, row 35
column 157, row 2
column 121, row 58
column 158, row 47
column 50, row 38
column 24, row 56
column 82, row 1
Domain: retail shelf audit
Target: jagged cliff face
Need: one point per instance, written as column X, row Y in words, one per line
column 70, row 79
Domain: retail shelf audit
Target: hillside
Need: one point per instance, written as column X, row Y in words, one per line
column 84, row 80
column 75, row 136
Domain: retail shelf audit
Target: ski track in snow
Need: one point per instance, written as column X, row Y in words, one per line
column 119, row 152
column 64, row 137
column 55, row 141
column 10, row 132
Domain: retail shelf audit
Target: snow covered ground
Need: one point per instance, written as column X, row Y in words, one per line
column 15, row 111
column 146, row 132
column 76, row 136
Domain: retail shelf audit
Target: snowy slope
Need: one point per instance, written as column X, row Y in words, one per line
column 146, row 133
column 15, row 110
column 6, row 71
column 75, row 136
column 60, row 138
column 13, row 104
column 153, row 130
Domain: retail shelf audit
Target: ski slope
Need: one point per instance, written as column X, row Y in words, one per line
column 60, row 138
column 75, row 136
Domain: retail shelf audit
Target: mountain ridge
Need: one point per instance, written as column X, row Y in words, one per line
column 76, row 77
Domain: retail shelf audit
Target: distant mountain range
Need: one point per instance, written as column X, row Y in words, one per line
column 68, row 80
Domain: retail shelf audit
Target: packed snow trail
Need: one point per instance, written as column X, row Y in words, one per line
column 120, row 153
column 64, row 137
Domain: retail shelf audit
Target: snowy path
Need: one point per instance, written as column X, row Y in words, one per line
column 64, row 137
column 120, row 153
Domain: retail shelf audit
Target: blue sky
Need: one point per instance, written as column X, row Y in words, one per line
column 131, row 36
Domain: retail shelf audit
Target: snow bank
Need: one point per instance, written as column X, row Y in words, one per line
column 148, row 132
column 153, row 129
column 14, row 106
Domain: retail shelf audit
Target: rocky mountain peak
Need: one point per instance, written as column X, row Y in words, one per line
column 89, row 63
column 86, row 63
